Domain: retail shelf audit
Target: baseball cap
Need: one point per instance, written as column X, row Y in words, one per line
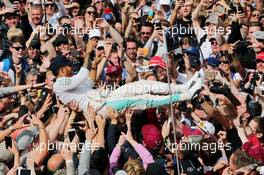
column 26, row 137
column 61, row 39
column 164, row 2
column 72, row 5
column 260, row 56
column 212, row 19
column 58, row 62
column 259, row 35
column 212, row 61
column 100, row 44
column 157, row 61
column 152, row 136
column 34, row 44
column 94, row 33
column 192, row 51
column 206, row 127
column 114, row 70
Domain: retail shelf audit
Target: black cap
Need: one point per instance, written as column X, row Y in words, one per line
column 7, row 15
column 58, row 62
column 254, row 108
column 35, row 44
column 154, row 169
column 61, row 39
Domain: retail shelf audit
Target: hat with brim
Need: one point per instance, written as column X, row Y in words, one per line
column 94, row 33
column 114, row 70
column 59, row 62
column 260, row 57
column 26, row 137
column 259, row 35
column 72, row 5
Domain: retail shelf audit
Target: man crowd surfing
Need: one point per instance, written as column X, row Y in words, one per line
column 132, row 87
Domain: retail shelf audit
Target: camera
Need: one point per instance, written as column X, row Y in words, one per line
column 157, row 25
column 253, row 83
column 85, row 38
column 218, row 88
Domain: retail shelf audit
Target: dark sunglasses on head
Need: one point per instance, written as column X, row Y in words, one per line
column 51, row 5
column 18, row 48
column 91, row 12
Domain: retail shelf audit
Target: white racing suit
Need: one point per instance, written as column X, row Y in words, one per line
column 141, row 94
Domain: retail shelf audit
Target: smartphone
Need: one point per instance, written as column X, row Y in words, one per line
column 157, row 25
column 23, row 172
column 8, row 142
column 75, row 53
column 76, row 124
column 209, row 75
column 54, row 109
column 71, row 133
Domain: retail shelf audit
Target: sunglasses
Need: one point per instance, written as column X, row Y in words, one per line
column 91, row 12
column 214, row 43
column 18, row 48
column 51, row 5
column 225, row 62
column 255, row 15
column 145, row 33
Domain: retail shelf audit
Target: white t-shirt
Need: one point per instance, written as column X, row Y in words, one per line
column 74, row 88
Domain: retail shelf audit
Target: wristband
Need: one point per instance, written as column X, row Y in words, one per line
column 69, row 161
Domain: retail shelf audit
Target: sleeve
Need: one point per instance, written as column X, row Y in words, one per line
column 111, row 137
column 1, row 66
column 114, row 159
column 65, row 84
column 85, row 158
column 145, row 155
column 70, row 170
column 6, row 90
column 62, row 10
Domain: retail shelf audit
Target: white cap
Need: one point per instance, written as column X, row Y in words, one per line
column 164, row 2
column 206, row 127
column 100, row 44
column 94, row 33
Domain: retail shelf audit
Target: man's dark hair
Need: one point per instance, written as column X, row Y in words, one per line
column 260, row 122
column 64, row 17
column 209, row 156
column 256, row 24
column 127, row 40
column 99, row 160
column 16, row 39
column 147, row 24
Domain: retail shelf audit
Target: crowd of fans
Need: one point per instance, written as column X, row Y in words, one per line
column 132, row 87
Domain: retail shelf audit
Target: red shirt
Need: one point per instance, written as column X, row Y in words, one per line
column 254, row 148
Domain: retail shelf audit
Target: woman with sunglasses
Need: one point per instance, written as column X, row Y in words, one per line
column 89, row 17
column 225, row 68
column 51, row 16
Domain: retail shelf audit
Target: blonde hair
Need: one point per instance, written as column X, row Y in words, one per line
column 134, row 167
column 14, row 32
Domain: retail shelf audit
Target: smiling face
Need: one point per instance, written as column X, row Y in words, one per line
column 17, row 50
column 90, row 14
column 186, row 9
column 12, row 21
column 50, row 8
column 36, row 15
